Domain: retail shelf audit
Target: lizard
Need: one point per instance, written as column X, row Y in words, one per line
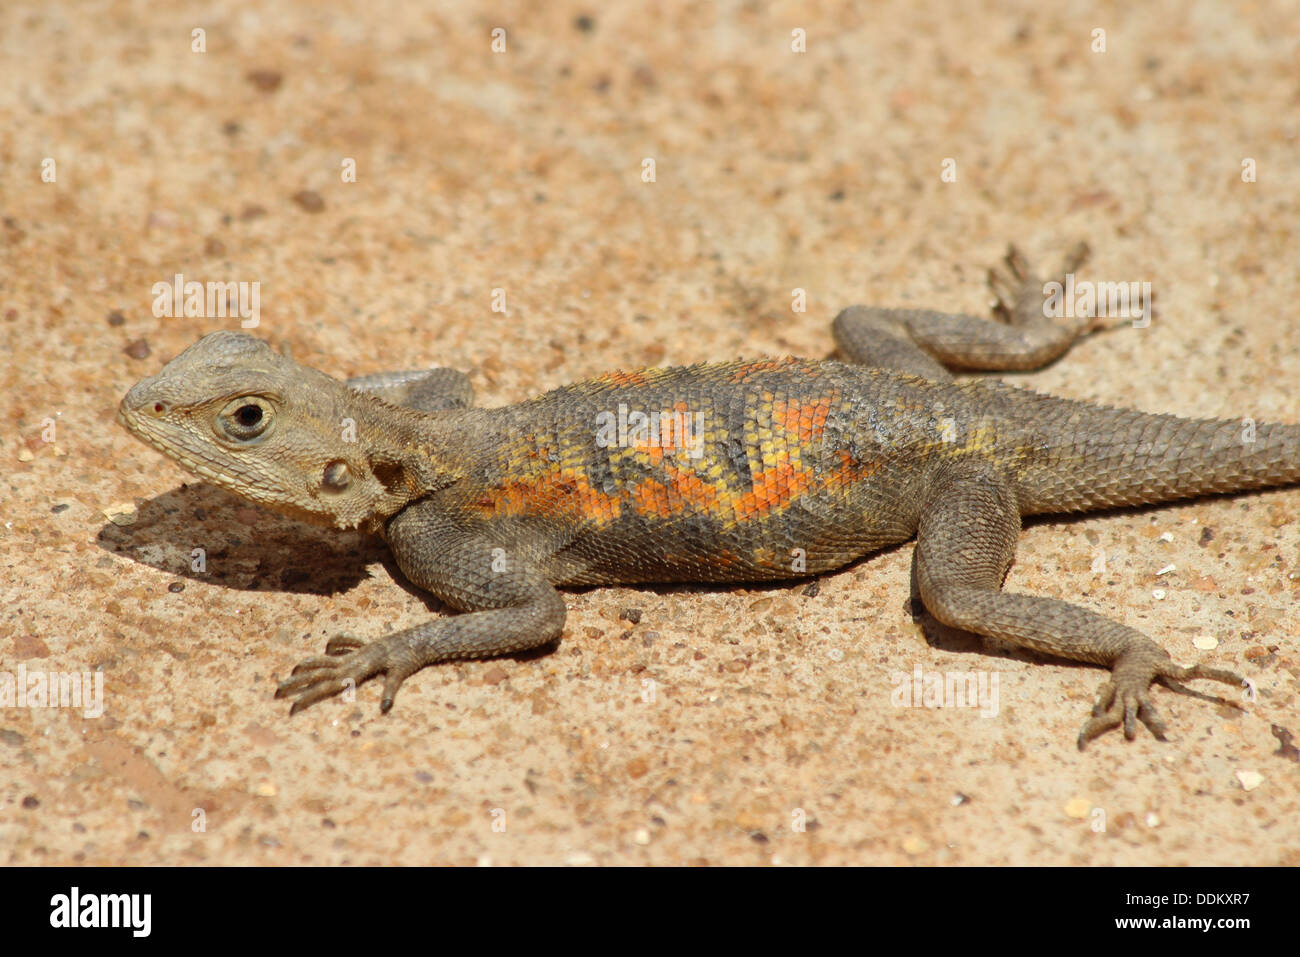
column 741, row 471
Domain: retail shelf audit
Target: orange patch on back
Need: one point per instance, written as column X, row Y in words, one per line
column 773, row 489
column 684, row 491
column 652, row 497
column 562, row 493
column 694, row 491
column 803, row 418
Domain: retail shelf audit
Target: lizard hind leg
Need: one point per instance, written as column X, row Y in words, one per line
column 929, row 344
column 965, row 542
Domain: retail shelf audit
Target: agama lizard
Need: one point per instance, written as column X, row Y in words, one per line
column 720, row 472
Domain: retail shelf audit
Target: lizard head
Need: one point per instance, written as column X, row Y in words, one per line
column 237, row 413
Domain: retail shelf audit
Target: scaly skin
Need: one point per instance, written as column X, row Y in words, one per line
column 789, row 468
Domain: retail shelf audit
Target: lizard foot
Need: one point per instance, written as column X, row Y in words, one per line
column 349, row 662
column 1125, row 698
column 1019, row 294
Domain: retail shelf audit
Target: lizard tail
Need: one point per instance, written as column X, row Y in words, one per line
column 1103, row 458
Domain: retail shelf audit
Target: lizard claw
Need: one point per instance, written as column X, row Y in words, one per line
column 350, row 662
column 1125, row 698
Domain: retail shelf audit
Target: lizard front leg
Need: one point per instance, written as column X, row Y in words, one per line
column 509, row 606
column 965, row 543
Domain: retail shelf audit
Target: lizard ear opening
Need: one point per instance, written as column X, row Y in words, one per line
column 336, row 477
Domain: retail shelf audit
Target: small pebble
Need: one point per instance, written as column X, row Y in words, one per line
column 309, row 200
column 123, row 513
column 268, row 81
column 1078, row 807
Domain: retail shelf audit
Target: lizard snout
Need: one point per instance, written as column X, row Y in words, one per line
column 141, row 400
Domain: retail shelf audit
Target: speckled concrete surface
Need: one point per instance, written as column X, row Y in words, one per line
column 705, row 731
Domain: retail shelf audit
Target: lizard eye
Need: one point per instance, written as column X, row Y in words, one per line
column 246, row 418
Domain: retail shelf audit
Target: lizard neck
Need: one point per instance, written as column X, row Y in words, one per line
column 411, row 454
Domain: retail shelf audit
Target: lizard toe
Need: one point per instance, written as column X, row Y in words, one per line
column 1105, row 699
column 308, row 687
column 319, row 692
column 343, row 644
column 1149, row 716
column 1098, row 724
column 297, row 681
column 1200, row 670
column 1076, row 256
column 1172, row 676
column 392, row 681
column 1106, row 714
column 1016, row 263
column 313, row 664
column 1130, row 720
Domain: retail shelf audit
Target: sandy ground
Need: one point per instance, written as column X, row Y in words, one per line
column 737, row 726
